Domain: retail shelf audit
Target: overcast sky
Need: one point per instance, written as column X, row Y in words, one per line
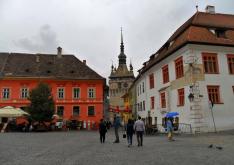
column 90, row 29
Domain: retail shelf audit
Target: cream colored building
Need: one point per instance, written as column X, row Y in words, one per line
column 120, row 80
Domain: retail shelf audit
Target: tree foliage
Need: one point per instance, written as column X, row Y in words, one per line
column 42, row 104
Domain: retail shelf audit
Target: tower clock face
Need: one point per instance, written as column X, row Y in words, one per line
column 114, row 86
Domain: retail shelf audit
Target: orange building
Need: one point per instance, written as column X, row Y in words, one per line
column 77, row 89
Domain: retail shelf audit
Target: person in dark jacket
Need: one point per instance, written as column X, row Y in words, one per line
column 116, row 125
column 102, row 131
column 130, row 131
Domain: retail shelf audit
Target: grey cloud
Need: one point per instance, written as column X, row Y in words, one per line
column 44, row 41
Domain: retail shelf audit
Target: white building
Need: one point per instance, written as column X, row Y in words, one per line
column 196, row 62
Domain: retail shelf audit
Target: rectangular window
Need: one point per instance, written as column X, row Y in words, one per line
column 143, row 87
column 151, row 80
column 76, row 93
column 61, row 93
column 230, row 58
column 165, row 74
column 143, row 105
column 60, row 110
column 233, row 89
column 24, row 93
column 210, row 63
column 76, row 111
column 152, row 102
column 163, row 99
column 91, row 111
column 140, row 88
column 179, row 67
column 214, row 94
column 181, row 97
column 91, row 93
column 6, row 93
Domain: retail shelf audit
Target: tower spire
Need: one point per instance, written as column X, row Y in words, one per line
column 122, row 44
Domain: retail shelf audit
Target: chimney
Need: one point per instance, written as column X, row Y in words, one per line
column 210, row 9
column 84, row 62
column 59, row 52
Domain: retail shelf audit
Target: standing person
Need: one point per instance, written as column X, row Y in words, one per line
column 116, row 125
column 130, row 131
column 139, row 127
column 102, row 131
column 170, row 129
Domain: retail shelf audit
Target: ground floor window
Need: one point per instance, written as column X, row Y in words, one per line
column 91, row 111
column 60, row 110
column 213, row 94
column 76, row 111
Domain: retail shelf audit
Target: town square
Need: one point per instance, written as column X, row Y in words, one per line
column 82, row 148
column 116, row 82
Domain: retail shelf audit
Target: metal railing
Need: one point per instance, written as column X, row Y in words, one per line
column 183, row 128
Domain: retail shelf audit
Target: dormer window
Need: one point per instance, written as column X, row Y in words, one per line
column 27, row 70
column 220, row 33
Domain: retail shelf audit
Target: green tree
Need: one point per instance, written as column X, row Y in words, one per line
column 42, row 103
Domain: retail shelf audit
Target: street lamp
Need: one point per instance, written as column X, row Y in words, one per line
column 191, row 97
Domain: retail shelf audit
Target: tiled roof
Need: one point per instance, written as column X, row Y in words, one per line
column 45, row 66
column 197, row 30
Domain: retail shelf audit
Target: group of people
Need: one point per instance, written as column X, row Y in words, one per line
column 130, row 129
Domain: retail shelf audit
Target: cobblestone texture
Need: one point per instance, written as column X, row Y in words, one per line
column 83, row 148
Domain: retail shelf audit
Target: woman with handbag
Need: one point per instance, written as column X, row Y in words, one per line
column 130, row 131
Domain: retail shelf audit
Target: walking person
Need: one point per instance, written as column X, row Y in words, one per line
column 102, row 131
column 139, row 127
column 170, row 129
column 116, row 125
column 130, row 131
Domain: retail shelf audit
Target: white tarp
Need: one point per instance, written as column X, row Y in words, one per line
column 9, row 111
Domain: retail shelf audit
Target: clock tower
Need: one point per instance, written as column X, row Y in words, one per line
column 120, row 80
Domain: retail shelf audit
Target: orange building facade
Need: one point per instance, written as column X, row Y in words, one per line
column 75, row 96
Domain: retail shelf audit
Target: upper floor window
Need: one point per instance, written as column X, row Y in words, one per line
column 76, row 111
column 61, row 93
column 24, row 93
column 214, row 94
column 179, row 67
column 233, row 89
column 140, row 88
column 91, row 111
column 180, row 97
column 143, row 87
column 6, row 93
column 165, row 74
column 151, row 81
column 210, row 63
column 152, row 102
column 91, row 93
column 230, row 58
column 163, row 99
column 76, row 93
column 60, row 110
column 144, row 105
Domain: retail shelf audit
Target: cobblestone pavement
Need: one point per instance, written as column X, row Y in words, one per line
column 83, row 148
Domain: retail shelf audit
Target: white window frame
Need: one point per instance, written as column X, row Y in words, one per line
column 24, row 94
column 3, row 93
column 73, row 93
column 91, row 92
column 58, row 93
